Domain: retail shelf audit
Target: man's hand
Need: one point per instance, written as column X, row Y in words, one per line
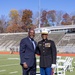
column 53, row 65
column 25, row 65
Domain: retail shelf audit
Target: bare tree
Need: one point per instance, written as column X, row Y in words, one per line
column 59, row 15
column 3, row 23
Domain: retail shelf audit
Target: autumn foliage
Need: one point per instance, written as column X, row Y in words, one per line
column 21, row 21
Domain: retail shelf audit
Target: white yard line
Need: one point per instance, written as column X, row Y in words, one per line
column 13, row 58
column 8, row 65
column 9, row 58
column 13, row 72
column 2, row 70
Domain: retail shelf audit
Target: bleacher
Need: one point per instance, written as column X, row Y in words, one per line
column 64, row 42
column 12, row 40
column 67, row 43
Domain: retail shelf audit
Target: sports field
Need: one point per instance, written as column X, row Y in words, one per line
column 9, row 65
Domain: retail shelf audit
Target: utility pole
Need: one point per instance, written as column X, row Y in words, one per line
column 39, row 13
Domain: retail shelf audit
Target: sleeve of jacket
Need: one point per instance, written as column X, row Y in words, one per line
column 22, row 51
column 37, row 50
column 54, row 52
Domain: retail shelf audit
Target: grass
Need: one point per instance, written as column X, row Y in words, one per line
column 10, row 65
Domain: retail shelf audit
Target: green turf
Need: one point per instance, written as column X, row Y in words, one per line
column 11, row 66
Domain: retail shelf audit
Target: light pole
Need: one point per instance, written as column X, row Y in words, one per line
column 39, row 13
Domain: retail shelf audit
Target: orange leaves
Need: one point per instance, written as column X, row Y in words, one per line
column 14, row 28
column 27, row 17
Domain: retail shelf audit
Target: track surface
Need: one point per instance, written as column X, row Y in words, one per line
column 61, row 54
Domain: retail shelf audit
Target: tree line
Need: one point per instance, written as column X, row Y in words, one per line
column 22, row 20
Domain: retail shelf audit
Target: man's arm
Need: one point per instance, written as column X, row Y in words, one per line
column 22, row 51
column 37, row 50
column 54, row 55
column 54, row 52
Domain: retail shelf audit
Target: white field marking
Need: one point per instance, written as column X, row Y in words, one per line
column 8, row 65
column 37, row 60
column 13, row 72
column 13, row 58
column 38, row 72
column 37, row 66
column 2, row 70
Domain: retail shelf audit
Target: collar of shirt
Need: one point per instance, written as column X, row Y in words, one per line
column 44, row 39
column 32, row 40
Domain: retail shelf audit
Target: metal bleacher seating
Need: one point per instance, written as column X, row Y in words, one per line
column 12, row 40
column 67, row 43
column 64, row 42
